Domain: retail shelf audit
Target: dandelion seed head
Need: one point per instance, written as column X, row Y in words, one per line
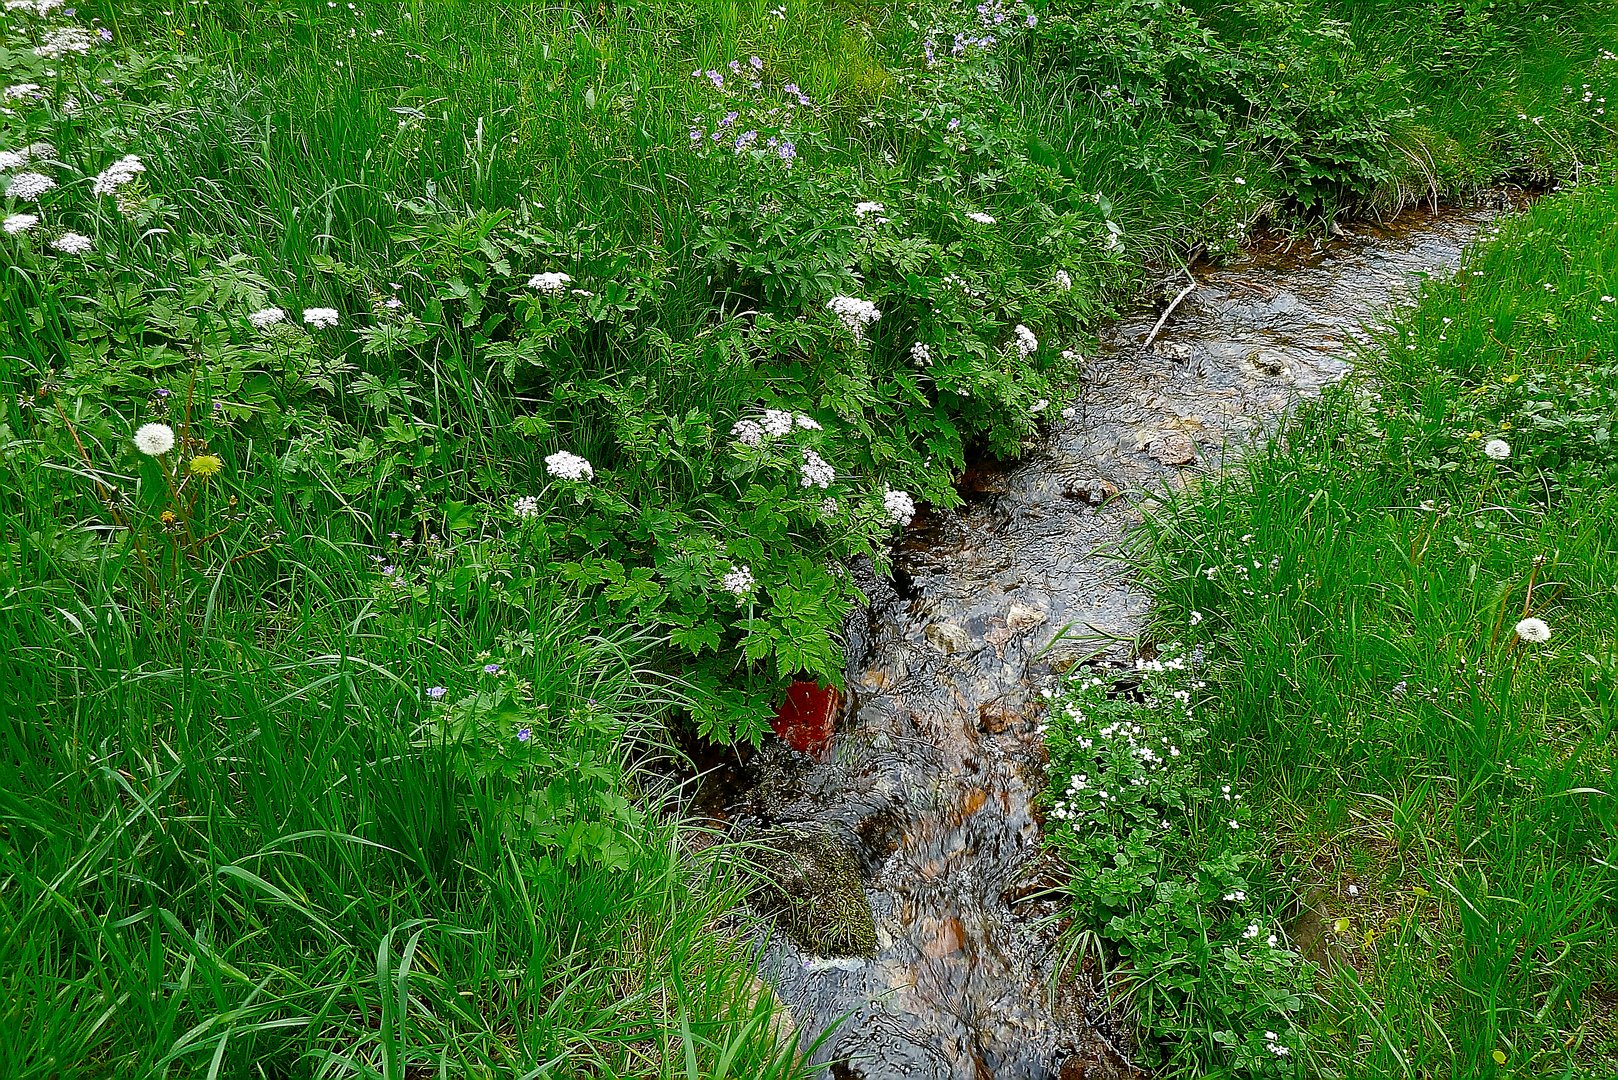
column 1498, row 449
column 1534, row 631
column 154, row 439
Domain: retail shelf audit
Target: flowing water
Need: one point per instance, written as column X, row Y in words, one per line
column 928, row 784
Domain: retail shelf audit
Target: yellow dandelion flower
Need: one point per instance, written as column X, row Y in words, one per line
column 206, row 465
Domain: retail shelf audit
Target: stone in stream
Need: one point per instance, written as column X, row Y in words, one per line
column 811, row 884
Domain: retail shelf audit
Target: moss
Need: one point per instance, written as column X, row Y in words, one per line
column 810, row 882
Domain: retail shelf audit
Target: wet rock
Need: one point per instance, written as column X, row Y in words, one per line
column 1172, row 450
column 1021, row 618
column 811, row 883
column 947, row 638
column 1094, row 491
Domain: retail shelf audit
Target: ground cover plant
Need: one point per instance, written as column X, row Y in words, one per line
column 1406, row 610
column 411, row 412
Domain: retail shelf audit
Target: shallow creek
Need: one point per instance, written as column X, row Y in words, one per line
column 926, row 789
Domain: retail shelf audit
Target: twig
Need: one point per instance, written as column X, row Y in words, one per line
column 1170, row 309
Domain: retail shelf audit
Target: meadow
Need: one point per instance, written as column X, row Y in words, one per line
column 420, row 421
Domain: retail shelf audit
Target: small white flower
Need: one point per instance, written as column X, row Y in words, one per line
column 320, row 317
column 1498, row 449
column 828, row 506
column 264, row 318
column 979, row 217
column 921, row 355
column 808, row 423
column 1064, row 280
column 1027, row 344
column 20, row 223
column 855, row 314
column 1533, row 630
column 63, row 40
column 119, row 173
column 526, row 506
column 816, row 471
column 1039, row 406
column 1239, row 182
column 748, row 432
column 12, row 159
column 1196, row 617
column 72, row 243
column 567, row 466
column 18, row 91
column 154, row 440
column 865, row 209
column 739, row 581
column 29, row 186
column 899, row 505
column 777, row 422
column 553, row 283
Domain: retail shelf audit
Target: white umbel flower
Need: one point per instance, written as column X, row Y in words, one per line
column 1064, row 280
column 738, row 581
column 808, row 423
column 980, row 218
column 816, row 471
column 18, row 91
column 855, row 314
column 921, row 355
column 264, row 318
column 1027, row 343
column 567, row 466
column 12, row 159
column 1498, row 449
column 866, row 208
column 899, row 505
column 154, row 439
column 748, row 432
column 64, row 40
column 72, row 243
column 1534, row 631
column 553, row 283
column 29, row 186
column 118, row 174
column 777, row 422
column 320, row 317
column 20, row 223
column 526, row 506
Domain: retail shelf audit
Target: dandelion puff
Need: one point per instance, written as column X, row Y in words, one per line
column 1534, row 631
column 567, row 466
column 72, row 243
column 1498, row 449
column 29, row 186
column 320, row 317
column 20, row 223
column 264, row 318
column 154, row 439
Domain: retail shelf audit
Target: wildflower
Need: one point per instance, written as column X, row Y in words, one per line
column 154, row 439
column 72, row 243
column 1498, row 449
column 63, row 40
column 29, row 186
column 320, row 317
column 553, row 283
column 864, row 210
column 16, row 92
column 920, row 354
column 1251, row 932
column 566, row 466
column 1039, row 406
column 119, row 173
column 1196, row 617
column 816, row 471
column 11, row 159
column 777, row 422
column 828, row 506
column 1027, row 344
column 748, row 432
column 1533, row 630
column 738, row 581
column 436, row 693
column 808, row 423
column 206, row 465
column 855, row 314
column 980, row 217
column 899, row 505
column 20, row 223
column 264, row 318
column 526, row 506
column 524, row 734
column 1064, row 280
column 756, row 63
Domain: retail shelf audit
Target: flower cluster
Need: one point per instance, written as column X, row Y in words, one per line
column 1026, row 344
column 526, row 506
column 118, row 175
column 567, row 466
column 64, row 41
column 855, row 314
column 738, row 581
column 72, row 243
column 29, row 186
column 264, row 318
column 553, row 283
column 816, row 472
column 900, row 506
column 320, row 317
column 744, row 126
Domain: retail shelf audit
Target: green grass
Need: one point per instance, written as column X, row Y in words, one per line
column 238, row 836
column 1375, row 696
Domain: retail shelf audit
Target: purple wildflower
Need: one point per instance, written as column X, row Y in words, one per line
column 436, row 693
column 524, row 734
column 491, row 669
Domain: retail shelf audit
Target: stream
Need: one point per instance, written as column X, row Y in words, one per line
column 924, row 798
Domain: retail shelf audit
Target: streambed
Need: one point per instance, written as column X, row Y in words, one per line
column 921, row 807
